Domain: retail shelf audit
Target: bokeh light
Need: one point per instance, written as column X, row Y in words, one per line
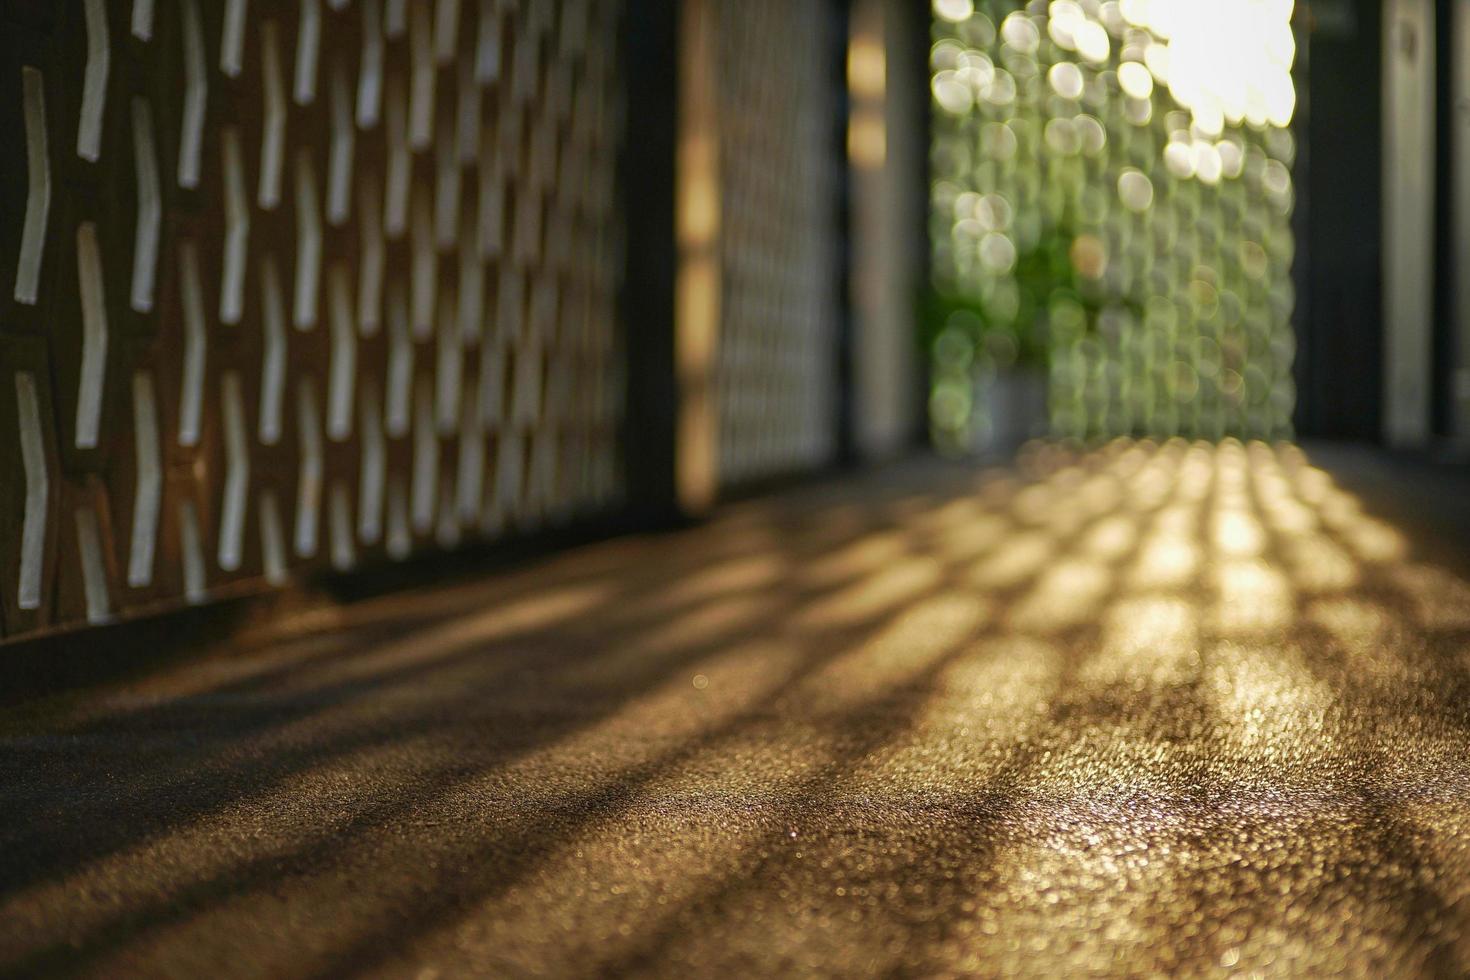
column 1111, row 209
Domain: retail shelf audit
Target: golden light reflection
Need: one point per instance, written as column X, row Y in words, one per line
column 736, row 575
column 982, row 701
column 1111, row 538
column 1093, row 733
column 1359, row 626
column 1267, row 698
column 705, row 623
column 1441, row 600
column 1036, row 504
column 1238, row 534
column 867, row 140
column 1254, row 598
column 1166, row 561
column 916, row 638
column 882, row 592
column 698, row 282
column 1017, row 561
column 1375, row 541
column 866, row 65
column 1147, row 639
column 1101, row 494
column 978, row 536
column 1067, row 594
column 1150, row 487
column 1318, row 564
column 866, row 555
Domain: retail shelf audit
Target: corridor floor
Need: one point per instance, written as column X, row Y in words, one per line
column 1152, row 709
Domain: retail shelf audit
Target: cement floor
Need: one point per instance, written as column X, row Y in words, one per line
column 1150, row 710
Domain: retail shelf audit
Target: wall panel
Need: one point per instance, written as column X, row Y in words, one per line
column 298, row 284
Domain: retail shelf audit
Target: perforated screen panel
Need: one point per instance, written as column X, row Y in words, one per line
column 775, row 371
column 297, row 283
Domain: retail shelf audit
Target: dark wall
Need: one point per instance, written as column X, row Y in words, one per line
column 1339, row 219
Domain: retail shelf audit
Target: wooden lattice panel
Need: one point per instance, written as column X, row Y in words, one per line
column 297, row 283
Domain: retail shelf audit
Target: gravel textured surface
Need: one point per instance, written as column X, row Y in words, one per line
column 1150, row 710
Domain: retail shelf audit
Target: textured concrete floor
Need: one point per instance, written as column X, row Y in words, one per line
column 1153, row 710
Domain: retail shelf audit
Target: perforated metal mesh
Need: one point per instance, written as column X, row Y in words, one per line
column 775, row 371
column 295, row 283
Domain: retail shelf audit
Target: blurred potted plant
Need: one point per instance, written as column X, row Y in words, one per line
column 990, row 353
column 990, row 347
column 988, row 392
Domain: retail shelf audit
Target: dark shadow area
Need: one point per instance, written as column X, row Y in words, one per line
column 68, row 662
column 89, row 657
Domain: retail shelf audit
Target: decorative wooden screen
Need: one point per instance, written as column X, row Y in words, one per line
column 297, row 283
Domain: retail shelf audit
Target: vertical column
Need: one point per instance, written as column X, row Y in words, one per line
column 885, row 154
column 1340, row 218
column 1408, row 131
column 1459, row 272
